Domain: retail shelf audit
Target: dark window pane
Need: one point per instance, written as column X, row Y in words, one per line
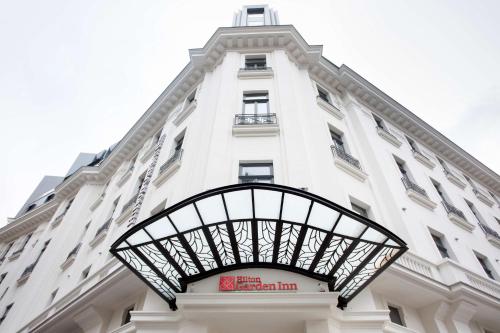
column 395, row 315
column 360, row 210
column 256, row 173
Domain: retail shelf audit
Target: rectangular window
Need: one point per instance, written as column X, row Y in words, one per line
column 6, row 251
column 52, row 296
column 256, row 173
column 25, row 242
column 486, row 267
column 178, row 144
column 443, row 164
column 323, row 94
column 2, row 277
column 191, row 98
column 85, row 273
column 402, row 168
column 438, row 240
column 474, row 211
column 131, row 165
column 412, row 144
column 439, row 190
column 156, row 138
column 6, row 312
column 126, row 314
column 113, row 208
column 68, row 206
column 494, row 198
column 255, row 62
column 255, row 16
column 256, row 103
column 338, row 141
column 360, row 210
column 379, row 121
column 396, row 316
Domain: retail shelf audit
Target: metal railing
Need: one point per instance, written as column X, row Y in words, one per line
column 176, row 156
column 452, row 209
column 130, row 202
column 103, row 228
column 255, row 68
column 409, row 185
column 341, row 153
column 28, row 270
column 255, row 119
column 488, row 231
column 74, row 251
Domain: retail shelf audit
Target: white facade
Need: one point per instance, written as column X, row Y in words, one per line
column 432, row 293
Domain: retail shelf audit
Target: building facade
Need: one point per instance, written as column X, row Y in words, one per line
column 259, row 105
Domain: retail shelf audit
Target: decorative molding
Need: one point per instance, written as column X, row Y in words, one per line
column 423, row 159
column 483, row 198
column 350, row 169
column 330, row 108
column 186, row 111
column 422, row 200
column 455, row 180
column 389, row 137
column 461, row 222
column 256, row 130
column 256, row 74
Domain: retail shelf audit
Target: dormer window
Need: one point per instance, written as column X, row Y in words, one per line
column 255, row 16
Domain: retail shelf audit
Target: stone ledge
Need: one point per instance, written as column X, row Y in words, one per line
column 424, row 160
column 186, row 111
column 256, row 130
column 455, row 180
column 97, row 239
column 161, row 178
column 350, row 169
column 389, row 138
column 421, row 199
column 330, row 108
column 256, row 74
column 461, row 222
column 483, row 198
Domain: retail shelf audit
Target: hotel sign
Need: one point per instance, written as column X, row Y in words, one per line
column 253, row 283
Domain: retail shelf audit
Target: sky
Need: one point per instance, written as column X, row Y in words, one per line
column 76, row 75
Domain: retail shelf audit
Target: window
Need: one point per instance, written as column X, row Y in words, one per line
column 132, row 163
column 402, row 168
column 255, row 16
column 191, row 98
column 158, row 208
column 445, row 167
column 323, row 94
column 7, row 309
column 42, row 251
column 256, row 173
column 360, row 210
column 111, row 212
column 6, row 251
column 156, row 138
column 2, row 277
column 438, row 240
column 255, row 62
column 85, row 273
column 52, row 296
column 470, row 182
column 379, row 121
column 4, row 292
column 50, row 197
column 395, row 314
column 178, row 144
column 494, row 198
column 30, row 207
column 338, row 141
column 440, row 191
column 68, row 206
column 126, row 314
column 474, row 211
column 486, row 267
column 412, row 144
column 256, row 103
column 498, row 220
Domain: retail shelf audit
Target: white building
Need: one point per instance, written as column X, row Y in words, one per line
column 258, row 104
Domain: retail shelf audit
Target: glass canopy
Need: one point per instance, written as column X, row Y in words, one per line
column 257, row 225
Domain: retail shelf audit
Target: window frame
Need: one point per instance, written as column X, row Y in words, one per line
column 242, row 165
column 400, row 313
column 249, row 57
column 255, row 102
column 251, row 18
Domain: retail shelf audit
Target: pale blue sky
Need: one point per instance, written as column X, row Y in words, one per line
column 76, row 75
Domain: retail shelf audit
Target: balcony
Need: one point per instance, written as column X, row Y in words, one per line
column 101, row 233
column 71, row 257
column 58, row 220
column 26, row 274
column 454, row 179
column 348, row 163
column 169, row 167
column 491, row 235
column 127, row 209
column 423, row 159
column 188, row 108
column 457, row 216
column 255, row 125
column 330, row 108
column 255, row 72
column 388, row 136
column 418, row 194
column 483, row 197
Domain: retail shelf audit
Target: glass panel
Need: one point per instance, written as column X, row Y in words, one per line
column 139, row 237
column 160, row 229
column 295, row 208
column 248, row 108
column 212, row 209
column 239, row 204
column 262, row 108
column 349, row 227
column 373, row 236
column 255, row 170
column 185, row 218
column 267, row 204
column 322, row 217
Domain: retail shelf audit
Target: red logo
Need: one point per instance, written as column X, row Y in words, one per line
column 227, row 283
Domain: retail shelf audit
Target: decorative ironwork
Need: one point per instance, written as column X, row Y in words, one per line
column 409, row 185
column 74, row 251
column 452, row 209
column 175, row 156
column 342, row 154
column 257, row 225
column 255, row 68
column 489, row 231
column 255, row 119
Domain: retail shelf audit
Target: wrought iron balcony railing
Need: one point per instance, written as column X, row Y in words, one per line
column 176, row 156
column 129, row 203
column 409, row 185
column 103, row 228
column 255, row 68
column 488, row 231
column 341, row 153
column 255, row 119
column 452, row 209
column 74, row 251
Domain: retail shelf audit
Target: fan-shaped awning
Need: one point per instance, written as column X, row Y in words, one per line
column 257, row 225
